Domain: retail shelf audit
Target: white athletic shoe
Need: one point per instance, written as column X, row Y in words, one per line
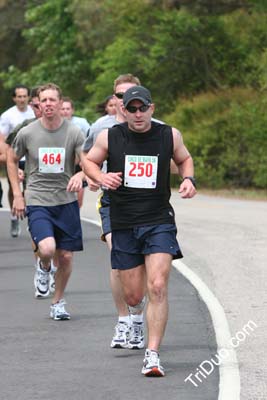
column 136, row 340
column 41, row 282
column 58, row 312
column 151, row 366
column 121, row 336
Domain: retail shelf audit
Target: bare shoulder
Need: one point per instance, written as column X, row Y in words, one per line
column 102, row 135
column 102, row 138
column 101, row 142
column 177, row 137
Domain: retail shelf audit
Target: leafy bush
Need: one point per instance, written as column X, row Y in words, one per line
column 226, row 134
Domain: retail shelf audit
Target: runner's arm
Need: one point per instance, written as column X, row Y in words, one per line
column 18, row 207
column 92, row 163
column 184, row 162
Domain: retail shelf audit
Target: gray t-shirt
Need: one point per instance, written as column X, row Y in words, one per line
column 50, row 159
column 81, row 123
column 105, row 122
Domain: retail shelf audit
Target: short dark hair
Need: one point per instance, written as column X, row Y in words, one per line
column 20, row 86
column 34, row 91
column 101, row 107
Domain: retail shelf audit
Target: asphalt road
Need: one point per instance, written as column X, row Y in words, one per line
column 224, row 244
column 42, row 359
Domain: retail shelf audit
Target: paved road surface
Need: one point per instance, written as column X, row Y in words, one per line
column 42, row 359
column 224, row 243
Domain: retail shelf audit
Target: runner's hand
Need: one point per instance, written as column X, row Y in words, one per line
column 187, row 189
column 18, row 208
column 21, row 175
column 92, row 185
column 75, row 183
column 111, row 180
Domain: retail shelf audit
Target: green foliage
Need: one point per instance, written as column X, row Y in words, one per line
column 227, row 137
column 13, row 48
column 189, row 54
column 205, row 63
column 258, row 5
column 57, row 57
column 106, row 67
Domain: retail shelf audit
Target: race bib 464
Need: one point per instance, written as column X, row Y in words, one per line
column 51, row 159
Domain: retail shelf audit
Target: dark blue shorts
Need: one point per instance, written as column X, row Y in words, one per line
column 61, row 222
column 129, row 246
column 103, row 206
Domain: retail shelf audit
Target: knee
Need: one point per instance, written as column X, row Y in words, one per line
column 64, row 258
column 134, row 298
column 133, row 285
column 157, row 288
column 46, row 249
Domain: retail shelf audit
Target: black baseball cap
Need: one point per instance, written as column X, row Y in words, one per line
column 137, row 93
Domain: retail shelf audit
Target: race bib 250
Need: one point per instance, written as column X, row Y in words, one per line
column 141, row 171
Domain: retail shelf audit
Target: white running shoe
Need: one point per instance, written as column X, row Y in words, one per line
column 136, row 340
column 58, row 312
column 52, row 276
column 121, row 336
column 151, row 366
column 41, row 282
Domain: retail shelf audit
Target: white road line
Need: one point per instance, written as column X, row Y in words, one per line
column 229, row 388
column 91, row 221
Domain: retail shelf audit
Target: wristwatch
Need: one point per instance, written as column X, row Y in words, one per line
column 192, row 179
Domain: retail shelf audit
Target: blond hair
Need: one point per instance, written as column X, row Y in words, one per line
column 126, row 78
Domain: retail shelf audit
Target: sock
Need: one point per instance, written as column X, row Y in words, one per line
column 138, row 307
column 137, row 318
column 125, row 319
column 53, row 267
column 152, row 351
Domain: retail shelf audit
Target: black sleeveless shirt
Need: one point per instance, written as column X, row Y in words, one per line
column 144, row 160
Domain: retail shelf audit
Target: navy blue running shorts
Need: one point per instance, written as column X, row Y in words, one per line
column 103, row 207
column 61, row 222
column 129, row 246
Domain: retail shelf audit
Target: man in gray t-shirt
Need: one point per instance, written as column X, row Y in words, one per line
column 51, row 146
column 50, row 161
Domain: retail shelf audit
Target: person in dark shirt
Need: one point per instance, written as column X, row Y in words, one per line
column 144, row 243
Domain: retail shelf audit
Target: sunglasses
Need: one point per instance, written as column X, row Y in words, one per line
column 34, row 105
column 133, row 109
column 119, row 95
